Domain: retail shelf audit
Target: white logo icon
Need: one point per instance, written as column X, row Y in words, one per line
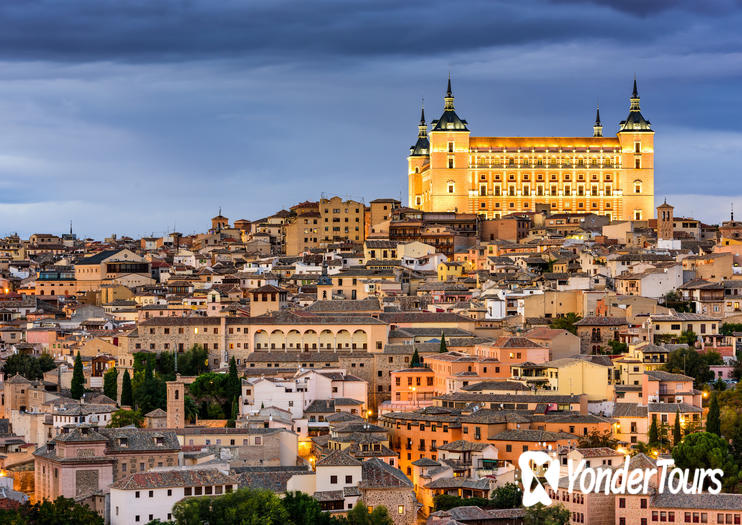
column 537, row 494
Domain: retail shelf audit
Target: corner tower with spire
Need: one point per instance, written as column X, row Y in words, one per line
column 446, row 181
column 636, row 138
column 417, row 161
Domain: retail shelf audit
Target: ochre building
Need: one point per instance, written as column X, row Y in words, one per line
column 449, row 170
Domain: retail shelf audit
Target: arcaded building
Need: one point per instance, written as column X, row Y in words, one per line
column 450, row 170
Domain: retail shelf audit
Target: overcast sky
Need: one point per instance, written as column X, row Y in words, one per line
column 140, row 116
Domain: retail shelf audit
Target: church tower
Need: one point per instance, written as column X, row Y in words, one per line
column 636, row 138
column 665, row 229
column 175, row 403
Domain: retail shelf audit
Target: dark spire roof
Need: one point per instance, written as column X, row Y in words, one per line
column 422, row 146
column 635, row 121
column 597, row 127
column 449, row 121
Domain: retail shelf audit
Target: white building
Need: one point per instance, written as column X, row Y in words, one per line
column 82, row 414
column 146, row 496
column 296, row 393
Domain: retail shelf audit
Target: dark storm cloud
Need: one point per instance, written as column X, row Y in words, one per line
column 137, row 116
column 183, row 30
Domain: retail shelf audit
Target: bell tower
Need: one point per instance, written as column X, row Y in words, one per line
column 175, row 403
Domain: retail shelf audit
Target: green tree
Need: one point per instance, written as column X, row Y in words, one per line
column 447, row 501
column 730, row 328
column 242, row 506
column 123, row 418
column 709, row 451
column 190, row 408
column 359, row 515
column 677, row 435
column 540, row 514
column 47, row 512
column 617, row 347
column 415, row 362
column 211, row 393
column 444, row 346
column 77, row 389
column 566, row 322
column 150, row 392
column 653, row 438
column 713, row 418
column 737, row 370
column 692, row 363
column 46, row 362
column 110, row 383
column 127, row 396
column 28, row 366
column 688, row 337
column 508, row 496
column 234, row 383
column 193, row 362
column 597, row 439
column 303, row 509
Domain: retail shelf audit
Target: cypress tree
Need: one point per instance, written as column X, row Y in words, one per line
column 234, row 385
column 235, row 406
column 77, row 389
column 110, row 383
column 415, row 359
column 127, row 396
column 676, row 434
column 713, row 419
column 444, row 347
column 654, row 434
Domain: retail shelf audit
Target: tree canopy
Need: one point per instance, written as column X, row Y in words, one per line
column 123, row 418
column 28, row 366
column 566, row 322
column 508, row 496
column 708, row 451
column 248, row 506
column 692, row 363
column 61, row 510
column 540, row 514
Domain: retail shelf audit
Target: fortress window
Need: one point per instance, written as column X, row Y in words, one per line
column 450, row 162
column 637, row 215
column 451, row 187
column 450, row 147
column 637, row 163
column 637, row 186
column 637, row 147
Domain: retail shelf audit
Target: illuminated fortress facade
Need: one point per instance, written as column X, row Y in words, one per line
column 449, row 170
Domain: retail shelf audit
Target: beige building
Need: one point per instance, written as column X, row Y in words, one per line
column 112, row 266
column 449, row 170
